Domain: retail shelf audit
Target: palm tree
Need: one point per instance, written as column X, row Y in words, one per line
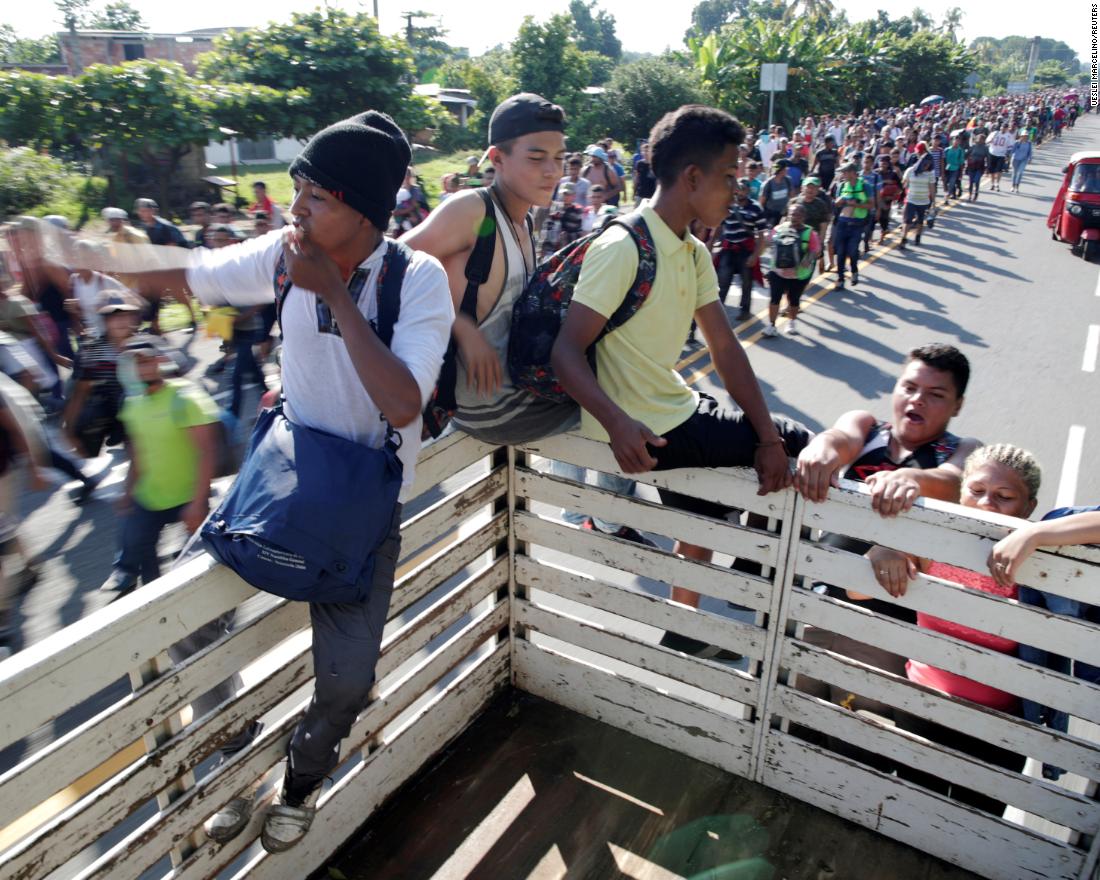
column 808, row 9
column 922, row 21
column 952, row 21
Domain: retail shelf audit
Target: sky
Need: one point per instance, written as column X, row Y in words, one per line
column 482, row 27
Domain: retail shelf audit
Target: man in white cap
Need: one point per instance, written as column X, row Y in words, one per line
column 119, row 228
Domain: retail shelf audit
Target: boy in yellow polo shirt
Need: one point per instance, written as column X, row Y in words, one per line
column 640, row 405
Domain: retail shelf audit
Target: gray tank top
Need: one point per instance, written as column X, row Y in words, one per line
column 511, row 415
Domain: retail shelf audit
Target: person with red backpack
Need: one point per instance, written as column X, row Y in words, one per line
column 639, row 404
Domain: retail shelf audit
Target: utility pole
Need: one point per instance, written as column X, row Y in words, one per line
column 408, row 16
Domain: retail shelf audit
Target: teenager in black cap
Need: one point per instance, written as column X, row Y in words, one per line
column 338, row 377
column 527, row 148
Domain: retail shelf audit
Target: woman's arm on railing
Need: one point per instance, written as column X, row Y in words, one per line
column 1012, row 551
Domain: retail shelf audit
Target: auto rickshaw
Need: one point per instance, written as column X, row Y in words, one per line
column 1075, row 215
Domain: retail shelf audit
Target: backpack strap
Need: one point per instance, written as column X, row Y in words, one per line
column 480, row 261
column 391, row 276
column 636, row 294
column 280, row 281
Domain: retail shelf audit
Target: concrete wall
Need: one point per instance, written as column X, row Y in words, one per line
column 285, row 151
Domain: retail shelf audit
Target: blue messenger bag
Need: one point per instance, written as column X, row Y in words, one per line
column 309, row 510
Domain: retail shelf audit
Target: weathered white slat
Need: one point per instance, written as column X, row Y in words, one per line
column 959, row 536
column 427, row 576
column 958, row 834
column 702, row 674
column 776, row 625
column 56, row 674
column 1003, row 671
column 357, row 796
column 1037, row 796
column 449, row 513
column 734, row 487
column 690, row 729
column 446, row 457
column 436, row 620
column 107, row 806
column 646, row 516
column 100, row 738
column 706, row 578
column 132, row 856
column 999, row 729
column 655, row 611
column 983, row 611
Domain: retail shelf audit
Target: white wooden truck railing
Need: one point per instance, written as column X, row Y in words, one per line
column 495, row 587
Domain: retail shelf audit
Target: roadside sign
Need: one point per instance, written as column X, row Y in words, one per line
column 971, row 80
column 970, row 91
column 773, row 77
column 1020, row 87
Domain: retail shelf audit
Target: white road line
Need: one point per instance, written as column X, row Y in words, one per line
column 1098, row 285
column 1067, row 486
column 1092, row 347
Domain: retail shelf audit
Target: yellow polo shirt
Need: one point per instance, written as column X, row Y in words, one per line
column 636, row 364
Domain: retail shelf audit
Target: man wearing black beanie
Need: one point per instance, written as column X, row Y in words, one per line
column 338, row 377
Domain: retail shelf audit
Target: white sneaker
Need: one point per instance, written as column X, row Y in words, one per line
column 232, row 819
column 770, row 330
column 285, row 825
column 791, row 329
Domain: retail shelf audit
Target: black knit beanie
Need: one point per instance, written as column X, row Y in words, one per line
column 361, row 160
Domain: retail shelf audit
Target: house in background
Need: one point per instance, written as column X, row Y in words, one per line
column 460, row 102
column 83, row 48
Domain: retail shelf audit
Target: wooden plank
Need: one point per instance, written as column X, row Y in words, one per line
column 960, row 536
column 956, row 833
column 1003, row 671
column 436, row 620
column 93, row 816
column 693, row 730
column 734, row 487
column 703, row 674
column 354, row 798
column 647, row 562
column 1037, row 796
column 132, row 856
column 445, row 458
column 655, row 611
column 97, row 740
column 775, row 621
column 430, row 574
column 984, row 611
column 445, row 515
column 1015, row 734
column 720, row 535
column 50, row 677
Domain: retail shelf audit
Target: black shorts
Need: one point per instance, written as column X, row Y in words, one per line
column 915, row 213
column 792, row 287
column 997, row 164
column 717, row 436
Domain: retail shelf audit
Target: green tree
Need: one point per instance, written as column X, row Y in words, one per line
column 489, row 80
column 117, row 15
column 29, row 105
column 1051, row 74
column 952, row 21
column 73, row 12
column 15, row 49
column 546, row 60
column 430, row 50
column 808, row 9
column 928, row 63
column 340, row 58
column 641, row 93
column 729, row 67
column 594, row 29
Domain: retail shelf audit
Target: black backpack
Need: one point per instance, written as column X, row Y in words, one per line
column 787, row 242
column 442, row 404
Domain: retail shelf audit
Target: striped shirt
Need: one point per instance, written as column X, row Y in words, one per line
column 743, row 223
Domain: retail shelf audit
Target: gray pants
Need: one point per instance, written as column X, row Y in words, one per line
column 347, row 640
column 611, row 482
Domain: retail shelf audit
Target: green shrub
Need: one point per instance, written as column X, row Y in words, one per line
column 28, row 179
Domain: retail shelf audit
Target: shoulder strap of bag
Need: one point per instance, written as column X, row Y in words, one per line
column 640, row 289
column 480, row 261
column 390, row 278
column 280, row 281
